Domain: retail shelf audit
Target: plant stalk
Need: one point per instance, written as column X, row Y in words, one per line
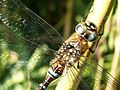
column 97, row 15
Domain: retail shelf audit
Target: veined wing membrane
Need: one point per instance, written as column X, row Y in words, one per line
column 41, row 25
column 31, row 26
column 92, row 76
column 27, row 41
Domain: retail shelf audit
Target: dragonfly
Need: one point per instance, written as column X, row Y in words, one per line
column 28, row 43
column 71, row 51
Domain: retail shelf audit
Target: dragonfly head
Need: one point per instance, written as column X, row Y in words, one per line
column 87, row 30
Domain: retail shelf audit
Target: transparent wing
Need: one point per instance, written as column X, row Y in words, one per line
column 91, row 76
column 28, row 24
column 27, row 43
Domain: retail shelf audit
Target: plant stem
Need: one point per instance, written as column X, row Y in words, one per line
column 68, row 19
column 98, row 15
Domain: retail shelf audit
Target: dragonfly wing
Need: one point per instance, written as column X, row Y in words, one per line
column 27, row 42
column 88, row 76
column 102, row 78
column 30, row 25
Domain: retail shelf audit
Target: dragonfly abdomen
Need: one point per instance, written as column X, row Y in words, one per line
column 54, row 71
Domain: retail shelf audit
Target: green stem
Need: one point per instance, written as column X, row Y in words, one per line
column 68, row 18
column 98, row 15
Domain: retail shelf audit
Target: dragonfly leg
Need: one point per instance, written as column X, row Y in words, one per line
column 78, row 65
column 92, row 51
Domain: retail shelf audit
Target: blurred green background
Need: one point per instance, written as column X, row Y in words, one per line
column 63, row 15
column 55, row 11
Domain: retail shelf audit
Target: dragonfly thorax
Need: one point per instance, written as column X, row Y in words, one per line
column 69, row 53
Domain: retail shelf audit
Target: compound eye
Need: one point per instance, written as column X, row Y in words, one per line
column 90, row 36
column 80, row 29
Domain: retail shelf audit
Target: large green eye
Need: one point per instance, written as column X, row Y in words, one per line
column 90, row 36
column 80, row 29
